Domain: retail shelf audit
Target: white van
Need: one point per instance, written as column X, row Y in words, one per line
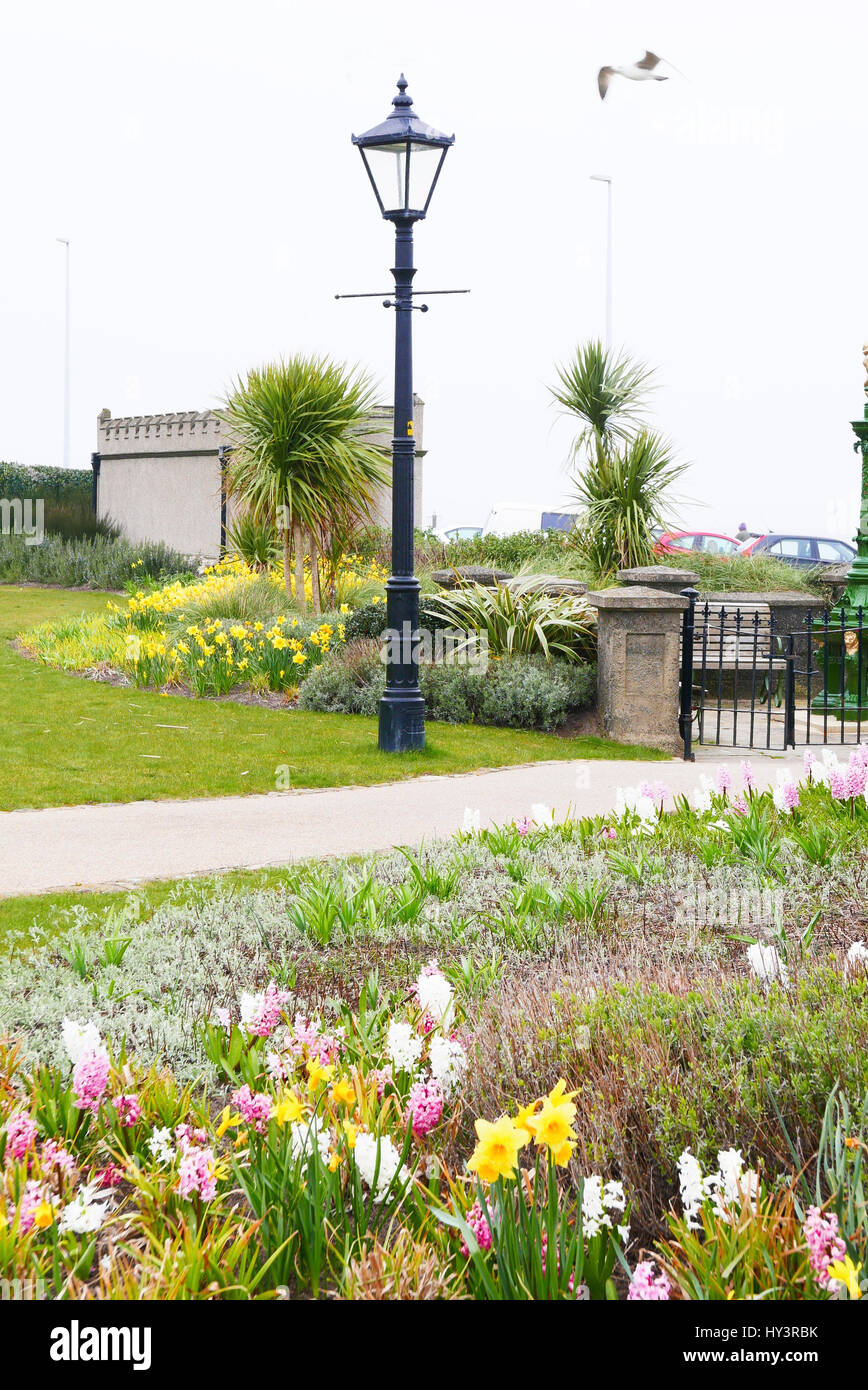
column 505, row 518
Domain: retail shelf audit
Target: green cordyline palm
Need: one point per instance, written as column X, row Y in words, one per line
column 606, row 392
column 623, row 495
column 622, row 471
column 299, row 453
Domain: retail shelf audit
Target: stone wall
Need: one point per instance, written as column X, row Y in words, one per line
column 158, row 476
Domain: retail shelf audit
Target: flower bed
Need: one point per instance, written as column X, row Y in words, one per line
column 583, row 1060
column 234, row 628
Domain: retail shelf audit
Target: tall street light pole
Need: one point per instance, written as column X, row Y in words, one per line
column 64, row 241
column 403, row 157
column 606, row 179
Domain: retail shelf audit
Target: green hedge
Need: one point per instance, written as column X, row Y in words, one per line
column 63, row 485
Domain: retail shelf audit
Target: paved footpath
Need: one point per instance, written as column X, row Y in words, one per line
column 120, row 845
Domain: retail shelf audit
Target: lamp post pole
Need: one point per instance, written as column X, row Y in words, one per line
column 402, row 708
column 394, row 152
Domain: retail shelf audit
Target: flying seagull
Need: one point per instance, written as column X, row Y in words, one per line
column 643, row 71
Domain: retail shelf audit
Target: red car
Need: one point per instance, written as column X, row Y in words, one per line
column 688, row 542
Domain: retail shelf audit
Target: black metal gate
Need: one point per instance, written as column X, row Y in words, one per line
column 745, row 684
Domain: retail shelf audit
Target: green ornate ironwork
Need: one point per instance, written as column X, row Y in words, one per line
column 843, row 650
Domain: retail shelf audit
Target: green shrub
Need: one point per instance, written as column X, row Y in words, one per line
column 522, row 693
column 352, row 681
column 502, row 552
column 256, row 541
column 367, row 621
column 98, row 563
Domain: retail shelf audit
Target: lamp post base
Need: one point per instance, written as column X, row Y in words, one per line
column 402, row 723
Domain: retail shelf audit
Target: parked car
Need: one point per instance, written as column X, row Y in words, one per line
column 802, row 551
column 506, row 518
column 460, row 533
column 688, row 542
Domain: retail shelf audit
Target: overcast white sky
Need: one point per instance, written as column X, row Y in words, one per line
column 198, row 156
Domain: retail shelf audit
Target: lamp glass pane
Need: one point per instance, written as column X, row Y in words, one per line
column 388, row 165
column 424, row 160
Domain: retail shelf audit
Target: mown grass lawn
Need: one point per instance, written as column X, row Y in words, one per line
column 66, row 741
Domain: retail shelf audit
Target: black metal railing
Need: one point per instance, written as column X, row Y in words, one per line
column 738, row 669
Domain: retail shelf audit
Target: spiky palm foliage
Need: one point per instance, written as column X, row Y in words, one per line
column 299, row 452
column 623, row 495
column 622, row 471
column 606, row 392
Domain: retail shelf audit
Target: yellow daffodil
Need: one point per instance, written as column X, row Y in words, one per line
column 525, row 1115
column 227, row 1121
column 343, row 1092
column 300, row 658
column 350, row 1130
column 551, row 1128
column 43, row 1216
column 846, row 1273
column 334, row 1161
column 317, row 1073
column 496, row 1153
column 288, row 1110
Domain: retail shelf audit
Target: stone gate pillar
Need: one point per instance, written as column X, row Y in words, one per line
column 638, row 664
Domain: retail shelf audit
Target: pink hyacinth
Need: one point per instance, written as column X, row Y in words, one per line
column 197, row 1173
column 747, row 778
column 646, row 789
column 426, row 1106
column 824, row 1243
column 266, row 1015
column 837, row 784
column 20, row 1136
column 810, row 759
column 646, row 1286
column 129, row 1111
column 660, row 793
column 790, row 795
column 855, row 777
column 185, row 1135
column 609, row 832
column 382, row 1076
column 89, row 1080
column 53, row 1155
column 30, row 1200
column 254, row 1107
column 739, row 805
column 109, row 1176
column 724, row 779
column 478, row 1223
column 523, row 826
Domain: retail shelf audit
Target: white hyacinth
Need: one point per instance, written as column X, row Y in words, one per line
column 160, row 1145
column 541, row 814
column 766, row 963
column 378, row 1154
column 448, row 1062
column 84, row 1214
column 472, row 819
column 305, row 1134
column 81, row 1038
column 599, row 1203
column 857, row 959
column 434, row 993
column 693, row 1186
column 404, row 1046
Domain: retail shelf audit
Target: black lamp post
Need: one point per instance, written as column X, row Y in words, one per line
column 403, row 157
